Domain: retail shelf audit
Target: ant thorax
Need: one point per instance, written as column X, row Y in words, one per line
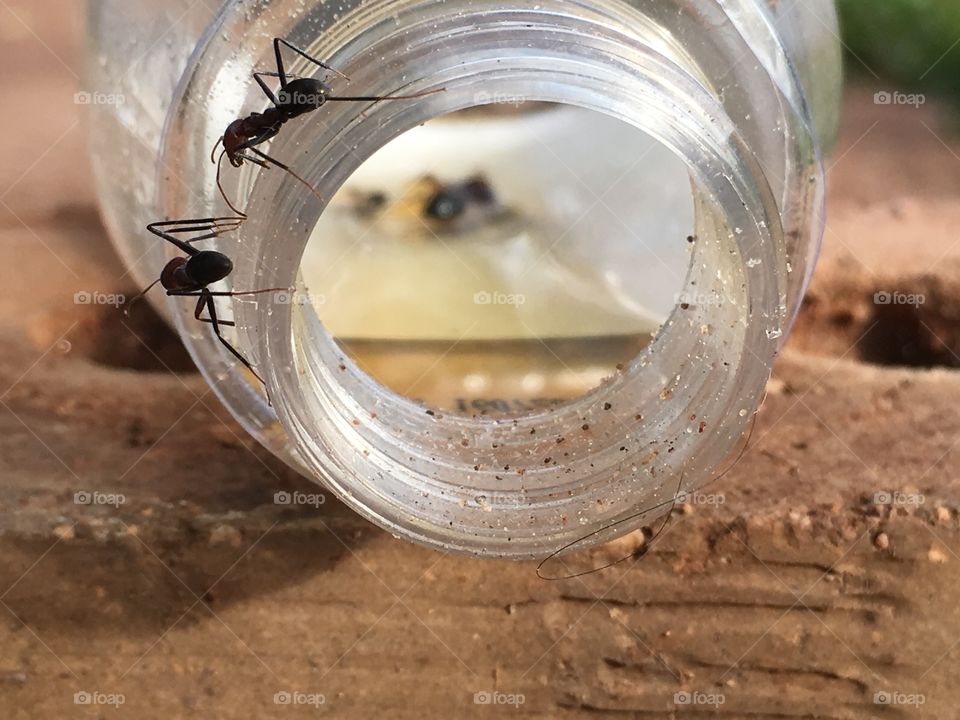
column 302, row 95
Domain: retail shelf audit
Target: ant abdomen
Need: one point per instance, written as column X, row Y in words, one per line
column 207, row 267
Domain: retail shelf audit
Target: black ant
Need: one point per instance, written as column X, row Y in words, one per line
column 451, row 201
column 296, row 97
column 189, row 276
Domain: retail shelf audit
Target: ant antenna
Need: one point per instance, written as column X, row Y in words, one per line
column 648, row 538
column 213, row 150
column 223, row 193
column 265, row 164
column 135, row 298
column 642, row 550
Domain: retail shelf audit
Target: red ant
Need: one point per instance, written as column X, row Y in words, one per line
column 189, row 276
column 296, row 97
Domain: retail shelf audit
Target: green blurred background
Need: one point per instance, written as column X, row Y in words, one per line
column 914, row 43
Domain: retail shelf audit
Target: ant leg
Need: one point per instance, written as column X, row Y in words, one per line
column 214, row 221
column 258, row 76
column 282, row 73
column 168, row 229
column 258, row 139
column 206, row 301
column 378, row 98
column 255, row 161
column 267, row 73
column 262, row 160
column 209, row 236
column 232, row 293
column 286, row 168
column 225, row 323
column 268, row 159
column 212, row 227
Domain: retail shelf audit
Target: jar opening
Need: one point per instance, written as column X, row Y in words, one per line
column 504, row 259
column 673, row 407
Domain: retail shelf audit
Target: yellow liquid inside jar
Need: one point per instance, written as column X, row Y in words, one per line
column 497, row 309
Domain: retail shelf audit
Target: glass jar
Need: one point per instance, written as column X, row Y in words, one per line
column 596, row 330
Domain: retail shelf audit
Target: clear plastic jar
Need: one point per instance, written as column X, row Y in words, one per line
column 711, row 117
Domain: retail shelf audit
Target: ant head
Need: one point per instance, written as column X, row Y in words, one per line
column 172, row 276
column 233, row 138
column 206, row 267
